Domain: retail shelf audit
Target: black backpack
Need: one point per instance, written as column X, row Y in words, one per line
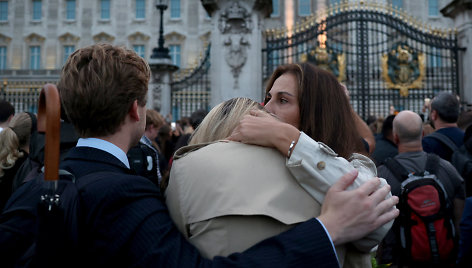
column 425, row 231
column 31, row 167
column 461, row 159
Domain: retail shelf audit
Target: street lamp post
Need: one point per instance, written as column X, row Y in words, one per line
column 160, row 51
column 159, row 95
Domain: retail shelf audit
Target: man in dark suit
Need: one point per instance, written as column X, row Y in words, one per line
column 124, row 221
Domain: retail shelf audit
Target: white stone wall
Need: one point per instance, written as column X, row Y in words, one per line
column 53, row 31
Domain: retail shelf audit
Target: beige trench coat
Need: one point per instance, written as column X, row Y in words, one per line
column 227, row 196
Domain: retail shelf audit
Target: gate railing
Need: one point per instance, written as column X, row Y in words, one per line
column 23, row 95
column 383, row 55
column 193, row 91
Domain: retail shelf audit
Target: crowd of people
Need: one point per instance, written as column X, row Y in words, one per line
column 300, row 180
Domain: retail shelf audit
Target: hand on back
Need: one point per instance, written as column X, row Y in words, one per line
column 351, row 214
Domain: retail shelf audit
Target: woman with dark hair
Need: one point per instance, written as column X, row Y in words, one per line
column 310, row 100
column 316, row 122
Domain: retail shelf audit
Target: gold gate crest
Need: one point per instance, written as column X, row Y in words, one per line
column 403, row 69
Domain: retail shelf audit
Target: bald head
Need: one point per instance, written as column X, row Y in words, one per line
column 408, row 127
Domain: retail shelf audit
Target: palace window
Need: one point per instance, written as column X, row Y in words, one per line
column 67, row 51
column 304, row 7
column 175, row 54
column 70, row 9
column 275, row 8
column 139, row 49
column 140, row 9
column 174, row 9
column 105, row 9
column 3, row 57
column 35, row 57
column 433, row 8
column 3, row 10
column 37, row 9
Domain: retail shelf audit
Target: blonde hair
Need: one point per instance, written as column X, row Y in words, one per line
column 12, row 138
column 223, row 119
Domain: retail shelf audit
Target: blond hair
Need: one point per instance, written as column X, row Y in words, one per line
column 12, row 138
column 223, row 119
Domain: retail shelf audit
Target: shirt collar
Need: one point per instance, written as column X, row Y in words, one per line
column 104, row 146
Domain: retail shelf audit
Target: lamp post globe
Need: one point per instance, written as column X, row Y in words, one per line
column 162, row 4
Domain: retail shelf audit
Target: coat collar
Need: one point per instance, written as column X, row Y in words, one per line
column 96, row 156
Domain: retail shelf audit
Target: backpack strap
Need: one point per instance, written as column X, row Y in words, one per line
column 397, row 169
column 444, row 139
column 432, row 163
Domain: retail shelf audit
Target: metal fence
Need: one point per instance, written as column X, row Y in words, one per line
column 192, row 92
column 23, row 95
column 387, row 59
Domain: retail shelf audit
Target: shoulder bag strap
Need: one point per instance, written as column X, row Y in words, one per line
column 397, row 169
column 432, row 163
column 444, row 139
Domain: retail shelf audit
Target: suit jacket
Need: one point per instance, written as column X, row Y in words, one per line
column 125, row 223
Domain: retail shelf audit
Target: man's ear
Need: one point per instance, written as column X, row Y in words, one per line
column 396, row 140
column 133, row 111
column 434, row 114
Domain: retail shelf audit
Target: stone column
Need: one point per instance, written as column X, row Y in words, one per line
column 159, row 92
column 461, row 12
column 236, row 48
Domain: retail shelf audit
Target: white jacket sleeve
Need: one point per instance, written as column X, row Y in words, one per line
column 317, row 167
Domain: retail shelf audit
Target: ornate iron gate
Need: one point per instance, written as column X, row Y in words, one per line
column 193, row 91
column 385, row 57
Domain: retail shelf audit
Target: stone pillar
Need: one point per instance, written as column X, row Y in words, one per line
column 236, row 48
column 159, row 93
column 461, row 12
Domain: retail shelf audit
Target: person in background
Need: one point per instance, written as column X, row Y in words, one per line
column 194, row 121
column 372, row 123
column 7, row 111
column 144, row 157
column 444, row 114
column 384, row 145
column 407, row 134
column 14, row 149
column 464, row 120
column 166, row 146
